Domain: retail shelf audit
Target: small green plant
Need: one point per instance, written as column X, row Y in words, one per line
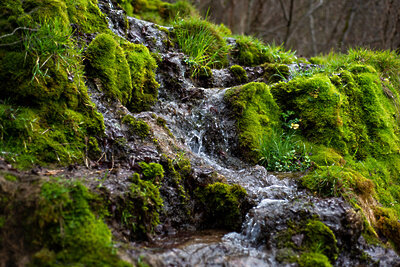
column 281, row 150
column 51, row 42
column 202, row 42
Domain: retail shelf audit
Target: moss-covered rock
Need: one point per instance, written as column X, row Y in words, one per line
column 106, row 61
column 256, row 113
column 224, row 204
column 274, row 72
column 350, row 116
column 136, row 127
column 142, row 66
column 250, row 51
column 152, row 171
column 313, row 259
column 44, row 88
column 139, row 208
column 56, row 224
column 158, row 11
column 314, row 239
column 239, row 74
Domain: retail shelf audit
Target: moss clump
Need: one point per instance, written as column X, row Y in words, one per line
column 338, row 181
column 317, row 240
column 126, row 72
column 352, row 116
column 139, row 208
column 223, row 204
column 152, row 171
column 136, row 127
column 178, row 170
column 256, row 113
column 106, row 61
column 250, row 51
column 69, row 230
column 274, row 72
column 56, row 224
column 87, row 15
column 239, row 73
column 312, row 259
column 158, row 11
column 142, row 66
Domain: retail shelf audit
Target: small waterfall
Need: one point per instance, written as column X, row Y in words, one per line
column 204, row 128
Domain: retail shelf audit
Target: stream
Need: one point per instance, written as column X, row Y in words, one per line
column 204, row 129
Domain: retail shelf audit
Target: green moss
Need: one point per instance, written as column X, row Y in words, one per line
column 239, row 73
column 87, row 15
column 319, row 237
column 136, row 126
column 178, row 170
column 349, row 117
column 313, row 259
column 256, row 113
column 274, row 72
column 158, row 11
column 338, row 181
column 223, row 203
column 152, row 171
column 140, row 207
column 318, row 240
column 10, row 177
column 68, row 231
column 250, row 51
column 142, row 68
column 106, row 61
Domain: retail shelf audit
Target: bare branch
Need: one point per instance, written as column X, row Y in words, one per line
column 15, row 30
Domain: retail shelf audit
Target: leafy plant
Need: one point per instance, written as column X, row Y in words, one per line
column 282, row 152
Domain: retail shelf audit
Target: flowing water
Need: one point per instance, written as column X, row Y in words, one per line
column 204, row 129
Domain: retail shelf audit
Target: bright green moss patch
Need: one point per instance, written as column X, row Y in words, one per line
column 157, row 11
column 136, row 126
column 126, row 72
column 256, row 112
column 250, row 51
column 87, row 15
column 274, row 72
column 57, row 225
column 239, row 73
column 108, row 63
column 338, row 181
column 352, row 117
column 45, row 115
column 140, row 207
column 152, row 171
column 70, row 232
column 142, row 67
column 223, row 204
column 313, row 259
column 318, row 241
